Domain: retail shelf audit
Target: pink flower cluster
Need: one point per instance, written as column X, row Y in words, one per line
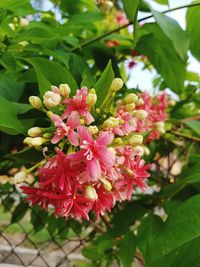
column 98, row 157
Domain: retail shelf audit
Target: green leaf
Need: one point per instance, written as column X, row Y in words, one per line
column 180, row 229
column 162, row 2
column 103, row 84
column 170, row 190
column 127, row 249
column 9, row 123
column 163, row 56
column 194, row 125
column 174, row 32
column 131, row 8
column 51, row 73
column 28, row 155
column 19, row 212
column 192, row 20
column 8, row 61
column 19, row 7
column 91, row 252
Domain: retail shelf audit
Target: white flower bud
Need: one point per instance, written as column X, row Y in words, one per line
column 140, row 102
column 35, row 102
column 116, row 85
column 19, row 177
column 64, row 90
column 91, row 99
column 27, row 141
column 146, row 151
column 139, row 150
column 23, row 22
column 37, row 141
column 35, row 131
column 23, row 43
column 130, row 98
column 135, row 140
column 91, row 193
column 130, row 107
column 140, row 114
column 93, row 129
column 51, row 99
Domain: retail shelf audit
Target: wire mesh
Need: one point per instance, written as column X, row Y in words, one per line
column 31, row 237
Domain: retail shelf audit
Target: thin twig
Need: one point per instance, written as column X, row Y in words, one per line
column 86, row 43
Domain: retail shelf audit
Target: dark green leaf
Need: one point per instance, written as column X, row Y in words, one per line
column 19, row 7
column 28, row 155
column 19, row 212
column 51, row 73
column 127, row 249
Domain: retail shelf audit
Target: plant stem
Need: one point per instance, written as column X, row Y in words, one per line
column 193, row 138
column 86, row 43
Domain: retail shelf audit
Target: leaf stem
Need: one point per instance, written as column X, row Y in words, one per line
column 193, row 138
column 88, row 42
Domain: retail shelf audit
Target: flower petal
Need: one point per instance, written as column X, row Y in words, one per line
column 105, row 138
column 73, row 120
column 85, row 134
column 94, row 169
column 106, row 157
column 73, row 138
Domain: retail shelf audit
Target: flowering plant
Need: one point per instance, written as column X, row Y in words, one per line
column 97, row 159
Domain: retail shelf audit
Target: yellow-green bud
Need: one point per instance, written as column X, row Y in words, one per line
column 92, row 91
column 140, row 114
column 130, row 98
column 146, row 151
column 140, row 102
column 12, row 26
column 106, row 184
column 35, row 131
column 160, row 126
column 135, row 140
column 171, row 102
column 19, row 177
column 35, row 102
column 51, row 99
column 93, row 129
column 64, row 90
column 91, row 193
column 118, row 141
column 112, row 122
column 47, row 135
column 91, row 99
column 130, row 107
column 116, row 85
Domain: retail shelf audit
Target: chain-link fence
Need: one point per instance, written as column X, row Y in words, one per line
column 32, row 237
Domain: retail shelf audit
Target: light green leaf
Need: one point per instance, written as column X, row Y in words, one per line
column 194, row 125
column 103, row 84
column 192, row 20
column 51, row 73
column 174, row 32
column 127, row 249
column 19, row 7
column 131, row 8
column 162, row 2
column 163, row 56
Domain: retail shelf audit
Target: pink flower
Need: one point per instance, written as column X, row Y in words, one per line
column 121, row 18
column 104, row 202
column 129, row 124
column 66, row 129
column 94, row 152
column 78, row 103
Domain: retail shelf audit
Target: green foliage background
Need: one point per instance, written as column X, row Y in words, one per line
column 72, row 50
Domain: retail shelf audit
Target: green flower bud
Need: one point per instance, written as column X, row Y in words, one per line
column 135, row 140
column 116, row 85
